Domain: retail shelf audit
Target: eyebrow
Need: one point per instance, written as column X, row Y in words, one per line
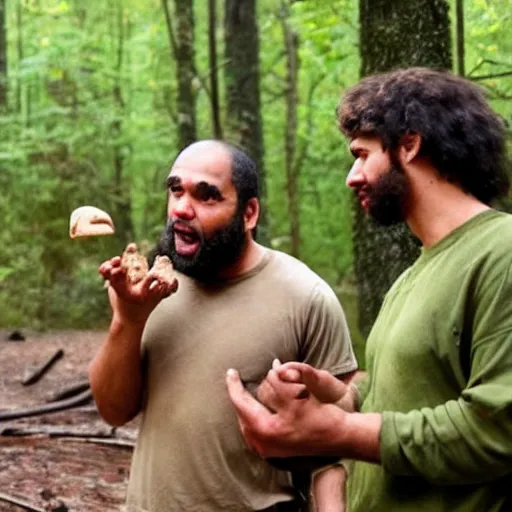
column 207, row 190
column 355, row 149
column 202, row 189
column 172, row 181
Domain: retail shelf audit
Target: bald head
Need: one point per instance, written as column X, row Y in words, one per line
column 220, row 157
column 209, row 155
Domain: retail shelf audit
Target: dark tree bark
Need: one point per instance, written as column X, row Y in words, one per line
column 123, row 204
column 19, row 48
column 212, row 47
column 242, row 76
column 3, row 56
column 394, row 34
column 182, row 51
column 291, row 44
column 460, row 38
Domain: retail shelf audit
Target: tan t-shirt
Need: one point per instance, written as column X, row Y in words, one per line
column 190, row 454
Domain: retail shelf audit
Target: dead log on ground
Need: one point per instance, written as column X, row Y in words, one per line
column 69, row 391
column 20, row 503
column 37, row 410
column 34, row 375
column 55, row 431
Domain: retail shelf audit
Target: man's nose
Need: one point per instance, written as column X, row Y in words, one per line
column 355, row 176
column 181, row 207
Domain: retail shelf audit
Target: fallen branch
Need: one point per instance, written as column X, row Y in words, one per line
column 37, row 410
column 67, row 392
column 20, row 503
column 55, row 431
column 39, row 371
column 121, row 443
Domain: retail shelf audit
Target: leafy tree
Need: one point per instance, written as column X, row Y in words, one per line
column 387, row 42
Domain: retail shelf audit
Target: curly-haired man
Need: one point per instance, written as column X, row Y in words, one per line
column 433, row 430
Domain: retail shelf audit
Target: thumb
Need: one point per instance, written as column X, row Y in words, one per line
column 247, row 407
column 322, row 385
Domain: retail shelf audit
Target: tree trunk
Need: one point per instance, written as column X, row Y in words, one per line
column 291, row 43
column 123, row 204
column 3, row 56
column 19, row 48
column 182, row 50
column 212, row 46
column 460, row 38
column 394, row 34
column 242, row 76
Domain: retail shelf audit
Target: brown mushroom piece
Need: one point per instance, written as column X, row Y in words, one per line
column 90, row 221
column 136, row 267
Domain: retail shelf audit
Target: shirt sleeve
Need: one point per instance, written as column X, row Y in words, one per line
column 362, row 389
column 468, row 440
column 325, row 339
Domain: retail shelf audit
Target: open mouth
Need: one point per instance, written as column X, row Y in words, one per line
column 186, row 240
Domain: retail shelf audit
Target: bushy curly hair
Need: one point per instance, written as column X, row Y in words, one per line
column 461, row 136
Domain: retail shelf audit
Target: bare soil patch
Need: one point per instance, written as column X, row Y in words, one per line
column 45, row 460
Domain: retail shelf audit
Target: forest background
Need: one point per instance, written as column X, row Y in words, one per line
column 97, row 98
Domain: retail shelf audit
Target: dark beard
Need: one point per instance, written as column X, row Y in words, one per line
column 388, row 197
column 216, row 253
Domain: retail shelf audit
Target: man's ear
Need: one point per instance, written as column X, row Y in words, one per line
column 409, row 148
column 251, row 214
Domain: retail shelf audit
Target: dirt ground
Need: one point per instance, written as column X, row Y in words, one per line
column 51, row 458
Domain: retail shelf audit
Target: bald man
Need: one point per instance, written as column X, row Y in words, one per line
column 238, row 304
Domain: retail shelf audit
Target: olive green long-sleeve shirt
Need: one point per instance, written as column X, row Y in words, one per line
column 446, row 440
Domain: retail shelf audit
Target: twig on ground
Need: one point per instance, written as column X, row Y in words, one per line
column 120, row 443
column 69, row 391
column 34, row 375
column 37, row 410
column 20, row 503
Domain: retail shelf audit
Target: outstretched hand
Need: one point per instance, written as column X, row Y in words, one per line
column 289, row 424
column 133, row 302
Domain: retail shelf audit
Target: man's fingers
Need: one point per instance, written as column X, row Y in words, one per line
column 107, row 265
column 151, row 284
column 249, row 410
column 116, row 276
column 324, row 386
column 292, row 371
column 290, row 375
column 276, row 394
column 320, row 383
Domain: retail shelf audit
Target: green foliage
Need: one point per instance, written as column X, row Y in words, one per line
column 488, row 50
column 66, row 129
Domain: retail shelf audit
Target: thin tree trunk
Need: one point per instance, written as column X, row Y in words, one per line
column 212, row 46
column 291, row 43
column 3, row 57
column 19, row 48
column 182, row 51
column 242, row 75
column 460, row 38
column 28, row 105
column 123, row 204
column 393, row 35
